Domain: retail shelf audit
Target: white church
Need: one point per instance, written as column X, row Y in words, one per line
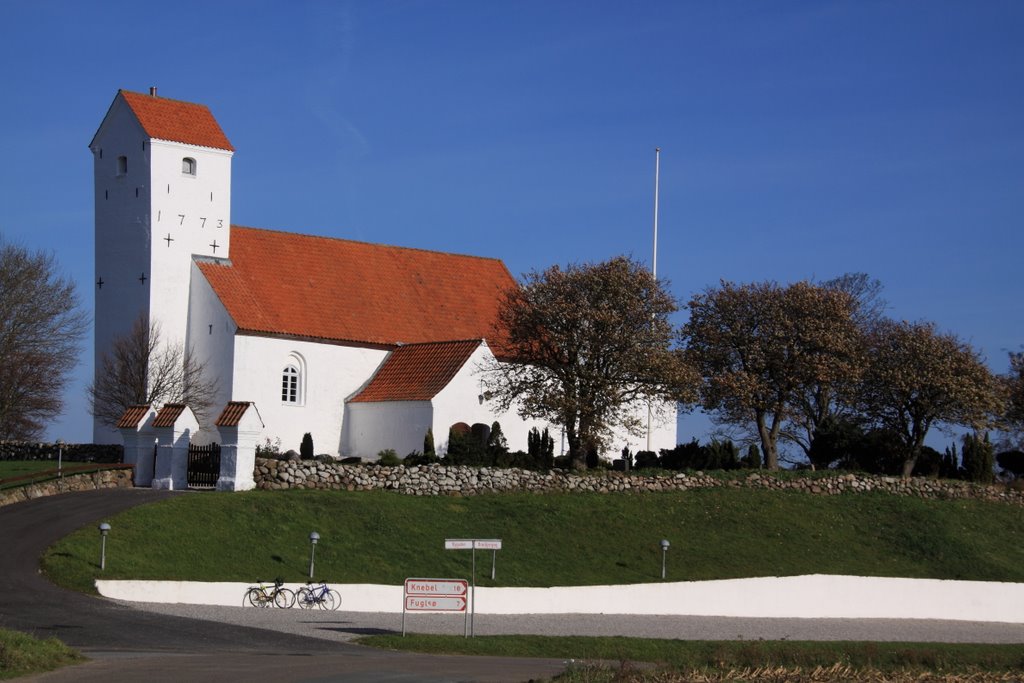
column 364, row 346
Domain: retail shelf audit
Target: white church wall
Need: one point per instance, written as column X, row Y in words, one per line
column 373, row 427
column 329, row 375
column 211, row 338
column 463, row 401
column 122, row 234
column 190, row 214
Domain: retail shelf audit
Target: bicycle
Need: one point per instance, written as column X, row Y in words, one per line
column 263, row 595
column 321, row 596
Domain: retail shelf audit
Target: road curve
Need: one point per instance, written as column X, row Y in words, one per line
column 127, row 644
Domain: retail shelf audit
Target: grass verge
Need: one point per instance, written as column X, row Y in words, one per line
column 548, row 540
column 719, row 656
column 21, row 655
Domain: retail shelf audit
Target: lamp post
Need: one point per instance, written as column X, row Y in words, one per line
column 104, row 530
column 664, row 553
column 60, row 457
column 313, row 538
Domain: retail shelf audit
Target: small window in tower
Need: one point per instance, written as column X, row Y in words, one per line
column 188, row 166
column 122, row 165
column 290, row 385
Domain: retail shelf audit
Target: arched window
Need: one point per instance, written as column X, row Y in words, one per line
column 188, row 166
column 122, row 165
column 290, row 378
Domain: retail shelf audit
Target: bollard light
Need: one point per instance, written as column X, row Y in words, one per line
column 664, row 552
column 313, row 538
column 104, row 530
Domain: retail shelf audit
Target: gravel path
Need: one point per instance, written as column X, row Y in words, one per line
column 344, row 626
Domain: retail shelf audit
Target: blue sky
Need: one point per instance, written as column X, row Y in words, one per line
column 800, row 140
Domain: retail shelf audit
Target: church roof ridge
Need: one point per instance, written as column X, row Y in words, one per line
column 370, row 244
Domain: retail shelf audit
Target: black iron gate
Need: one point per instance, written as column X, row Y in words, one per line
column 203, row 466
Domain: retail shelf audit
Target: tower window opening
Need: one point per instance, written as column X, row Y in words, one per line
column 188, row 166
column 122, row 165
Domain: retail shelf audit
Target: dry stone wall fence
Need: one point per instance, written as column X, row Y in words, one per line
column 69, row 452
column 103, row 479
column 439, row 480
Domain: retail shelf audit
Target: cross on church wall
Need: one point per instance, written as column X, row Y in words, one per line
column 142, row 278
column 214, row 246
column 168, row 239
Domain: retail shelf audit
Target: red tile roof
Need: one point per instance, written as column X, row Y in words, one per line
column 176, row 121
column 169, row 414
column 278, row 283
column 133, row 415
column 232, row 414
column 417, row 372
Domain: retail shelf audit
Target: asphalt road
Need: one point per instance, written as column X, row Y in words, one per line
column 160, row 642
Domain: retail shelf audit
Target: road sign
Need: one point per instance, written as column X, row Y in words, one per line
column 435, row 604
column 434, row 587
column 471, row 543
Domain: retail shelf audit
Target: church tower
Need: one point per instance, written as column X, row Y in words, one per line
column 162, row 175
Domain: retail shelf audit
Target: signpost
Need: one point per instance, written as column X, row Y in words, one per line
column 434, row 595
column 492, row 544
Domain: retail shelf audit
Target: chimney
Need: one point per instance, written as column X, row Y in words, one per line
column 152, row 91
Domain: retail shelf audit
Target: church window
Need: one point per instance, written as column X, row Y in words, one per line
column 188, row 166
column 290, row 385
column 122, row 165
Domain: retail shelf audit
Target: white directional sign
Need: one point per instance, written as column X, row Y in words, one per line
column 435, row 604
column 436, row 595
column 436, row 586
column 471, row 543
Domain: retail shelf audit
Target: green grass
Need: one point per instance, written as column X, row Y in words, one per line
column 550, row 539
column 723, row 655
column 21, row 654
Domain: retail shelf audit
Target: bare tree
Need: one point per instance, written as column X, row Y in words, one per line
column 41, row 330
column 588, row 348
column 917, row 378
column 1013, row 383
column 138, row 369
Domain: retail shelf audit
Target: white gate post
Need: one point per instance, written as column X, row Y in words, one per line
column 174, row 425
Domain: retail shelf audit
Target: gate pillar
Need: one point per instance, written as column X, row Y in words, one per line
column 138, row 437
column 174, row 425
column 240, row 427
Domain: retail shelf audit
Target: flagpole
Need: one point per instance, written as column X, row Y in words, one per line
column 654, row 261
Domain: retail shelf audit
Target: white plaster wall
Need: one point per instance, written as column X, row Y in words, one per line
column 460, row 401
column 195, row 212
column 330, row 375
column 809, row 597
column 373, row 427
column 121, row 234
column 211, row 336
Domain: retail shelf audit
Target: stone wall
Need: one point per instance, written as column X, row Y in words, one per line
column 120, row 477
column 70, row 452
column 438, row 480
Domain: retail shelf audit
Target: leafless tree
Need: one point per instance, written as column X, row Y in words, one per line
column 139, row 369
column 41, row 330
column 588, row 347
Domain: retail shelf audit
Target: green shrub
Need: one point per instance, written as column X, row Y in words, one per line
column 306, row 447
column 388, row 457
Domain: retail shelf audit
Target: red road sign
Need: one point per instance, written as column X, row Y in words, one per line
column 435, row 604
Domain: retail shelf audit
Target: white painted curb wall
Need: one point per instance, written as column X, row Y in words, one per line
column 814, row 596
